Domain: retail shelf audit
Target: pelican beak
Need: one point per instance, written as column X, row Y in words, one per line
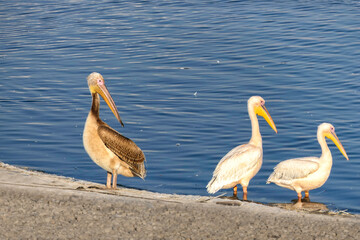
column 335, row 139
column 263, row 112
column 104, row 93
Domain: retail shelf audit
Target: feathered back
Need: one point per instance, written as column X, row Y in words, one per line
column 124, row 148
column 294, row 169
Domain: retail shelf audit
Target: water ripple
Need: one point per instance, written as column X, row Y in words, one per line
column 302, row 57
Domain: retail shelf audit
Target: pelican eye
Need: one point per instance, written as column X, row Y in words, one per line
column 100, row 81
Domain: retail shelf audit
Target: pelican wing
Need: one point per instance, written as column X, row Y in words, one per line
column 234, row 165
column 294, row 169
column 121, row 146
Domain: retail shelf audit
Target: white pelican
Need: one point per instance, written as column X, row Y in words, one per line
column 308, row 173
column 105, row 146
column 242, row 163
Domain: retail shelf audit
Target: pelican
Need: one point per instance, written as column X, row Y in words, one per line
column 110, row 150
column 308, row 173
column 242, row 163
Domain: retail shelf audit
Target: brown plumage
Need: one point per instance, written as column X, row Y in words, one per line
column 124, row 148
column 106, row 147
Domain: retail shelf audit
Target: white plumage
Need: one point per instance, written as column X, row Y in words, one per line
column 242, row 163
column 304, row 174
column 294, row 168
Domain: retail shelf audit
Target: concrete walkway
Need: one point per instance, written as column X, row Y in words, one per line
column 35, row 205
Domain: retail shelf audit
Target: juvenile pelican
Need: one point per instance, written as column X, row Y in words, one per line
column 242, row 163
column 105, row 146
column 308, row 173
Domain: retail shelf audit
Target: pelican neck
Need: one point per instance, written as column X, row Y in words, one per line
column 325, row 151
column 95, row 105
column 255, row 136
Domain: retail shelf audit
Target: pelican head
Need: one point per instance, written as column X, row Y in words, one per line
column 328, row 130
column 258, row 104
column 97, row 85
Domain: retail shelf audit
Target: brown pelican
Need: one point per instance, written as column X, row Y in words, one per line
column 308, row 173
column 242, row 163
column 105, row 146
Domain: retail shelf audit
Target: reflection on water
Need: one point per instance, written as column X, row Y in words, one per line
column 180, row 73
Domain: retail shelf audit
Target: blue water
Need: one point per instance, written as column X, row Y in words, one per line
column 180, row 73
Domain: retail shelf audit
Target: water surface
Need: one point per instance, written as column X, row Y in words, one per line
column 180, row 73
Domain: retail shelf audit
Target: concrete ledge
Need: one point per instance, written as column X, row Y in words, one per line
column 36, row 205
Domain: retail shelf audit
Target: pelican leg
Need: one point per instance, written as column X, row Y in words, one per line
column 299, row 196
column 306, row 198
column 114, row 184
column 306, row 194
column 245, row 193
column 235, row 191
column 108, row 180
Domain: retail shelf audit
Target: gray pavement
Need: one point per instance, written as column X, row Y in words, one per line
column 35, row 205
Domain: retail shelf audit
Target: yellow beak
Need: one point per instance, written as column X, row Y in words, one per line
column 263, row 112
column 104, row 93
column 335, row 139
